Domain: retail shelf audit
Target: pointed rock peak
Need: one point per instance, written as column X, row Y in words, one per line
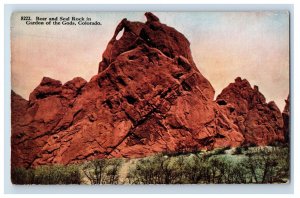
column 272, row 105
column 241, row 88
column 46, row 88
column 286, row 119
column 287, row 105
column 128, row 26
column 120, row 26
column 151, row 17
column 153, row 34
column 14, row 95
column 238, row 79
column 47, row 81
column 287, row 99
column 239, row 82
column 76, row 82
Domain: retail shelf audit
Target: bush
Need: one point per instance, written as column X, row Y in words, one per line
column 238, row 151
column 56, row 174
column 102, row 171
column 244, row 165
column 252, row 165
column 157, row 169
column 269, row 165
column 22, row 176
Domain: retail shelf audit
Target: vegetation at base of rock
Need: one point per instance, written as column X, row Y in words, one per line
column 232, row 166
column 221, row 166
column 55, row 174
column 102, row 171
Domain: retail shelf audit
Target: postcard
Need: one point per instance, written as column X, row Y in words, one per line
column 150, row 97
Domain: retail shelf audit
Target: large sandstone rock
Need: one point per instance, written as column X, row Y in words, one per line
column 148, row 97
column 261, row 123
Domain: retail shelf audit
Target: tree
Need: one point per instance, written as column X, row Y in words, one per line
column 102, row 171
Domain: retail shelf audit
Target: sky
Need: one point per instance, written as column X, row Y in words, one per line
column 224, row 45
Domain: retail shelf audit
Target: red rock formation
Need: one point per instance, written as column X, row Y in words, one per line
column 47, row 112
column 18, row 107
column 286, row 119
column 148, row 97
column 261, row 123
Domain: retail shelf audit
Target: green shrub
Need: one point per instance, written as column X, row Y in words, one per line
column 244, row 165
column 102, row 171
column 22, row 176
column 238, row 151
column 157, row 169
column 56, row 174
column 269, row 164
column 251, row 165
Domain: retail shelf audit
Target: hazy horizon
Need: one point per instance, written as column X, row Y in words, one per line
column 224, row 45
